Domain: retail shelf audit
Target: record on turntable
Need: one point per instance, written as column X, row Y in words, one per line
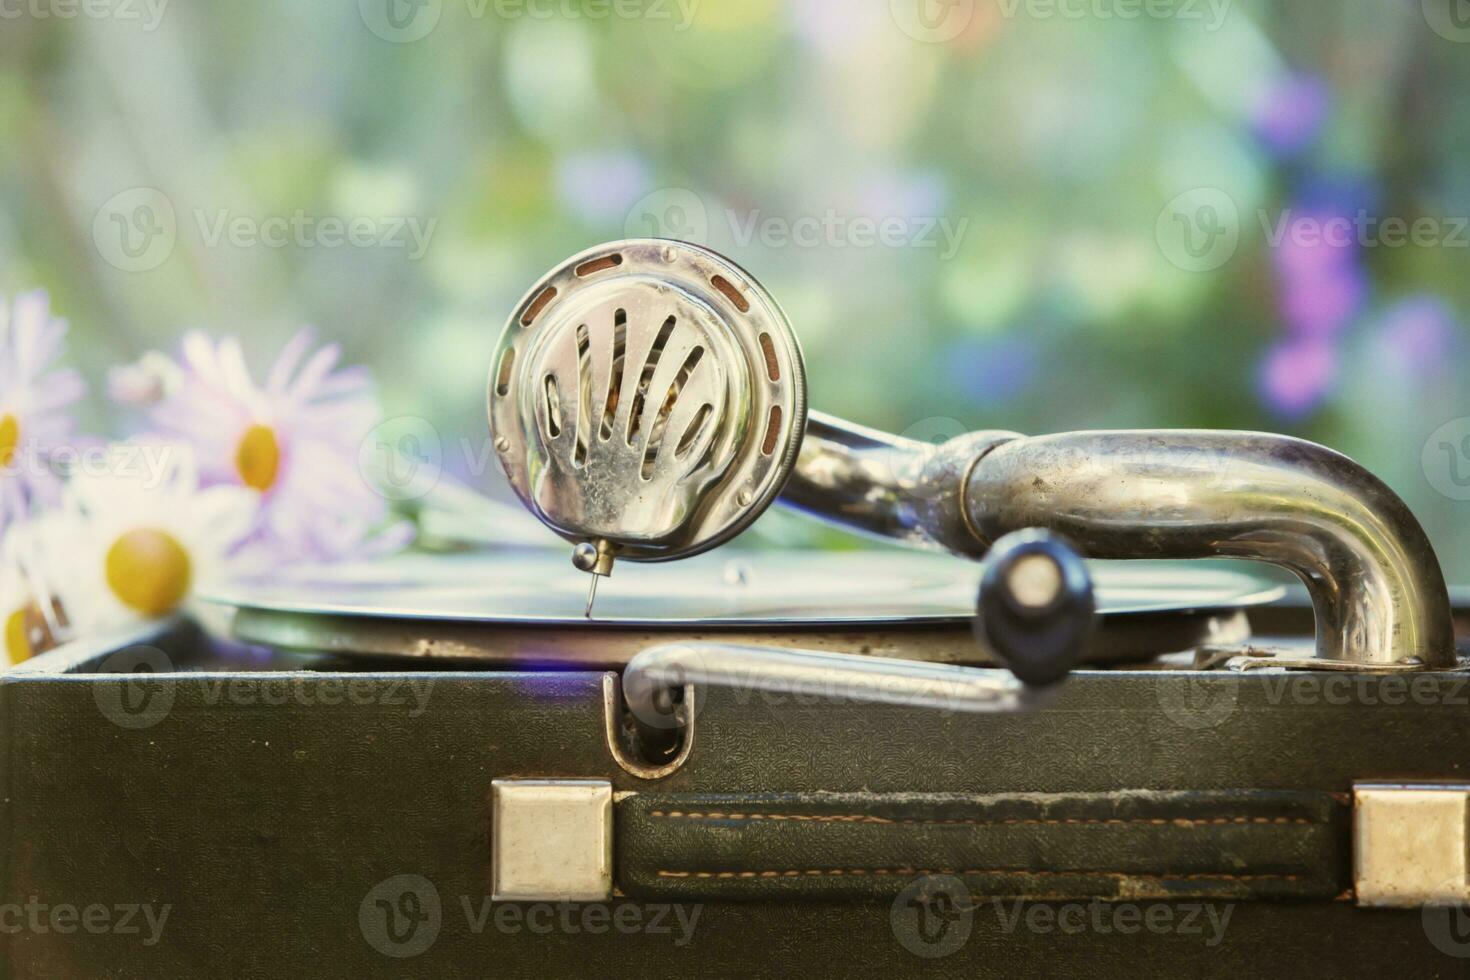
column 526, row 606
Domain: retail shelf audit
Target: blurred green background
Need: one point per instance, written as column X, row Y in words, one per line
column 1034, row 215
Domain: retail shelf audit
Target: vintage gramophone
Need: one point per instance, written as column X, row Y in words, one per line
column 842, row 760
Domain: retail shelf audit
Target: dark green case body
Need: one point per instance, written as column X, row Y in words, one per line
column 335, row 822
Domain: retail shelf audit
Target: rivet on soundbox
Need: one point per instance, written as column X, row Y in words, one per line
column 744, row 499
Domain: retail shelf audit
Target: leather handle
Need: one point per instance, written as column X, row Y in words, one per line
column 1139, row 844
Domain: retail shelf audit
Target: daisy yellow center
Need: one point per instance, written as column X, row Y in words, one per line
column 28, row 632
column 9, row 438
column 18, row 636
column 258, row 457
column 149, row 571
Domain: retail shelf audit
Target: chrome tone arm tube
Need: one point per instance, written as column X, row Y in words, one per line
column 887, row 486
column 1376, row 586
column 813, row 674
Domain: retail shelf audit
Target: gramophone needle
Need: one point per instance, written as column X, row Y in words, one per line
column 591, row 594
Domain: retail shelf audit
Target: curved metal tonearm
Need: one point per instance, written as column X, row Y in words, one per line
column 1376, row 586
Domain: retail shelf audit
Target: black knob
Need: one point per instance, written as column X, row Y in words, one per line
column 1036, row 608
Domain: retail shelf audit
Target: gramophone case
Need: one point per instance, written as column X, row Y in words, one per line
column 174, row 806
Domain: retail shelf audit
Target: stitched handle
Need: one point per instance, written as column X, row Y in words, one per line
column 1241, row 844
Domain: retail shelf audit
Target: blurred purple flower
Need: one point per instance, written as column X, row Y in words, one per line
column 989, row 372
column 1322, row 285
column 601, row 187
column 1417, row 336
column 1297, row 374
column 911, row 195
column 36, row 399
column 1321, row 306
column 1290, row 113
column 834, row 27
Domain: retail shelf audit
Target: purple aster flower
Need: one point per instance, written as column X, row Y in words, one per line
column 294, row 440
column 1322, row 283
column 1297, row 374
column 601, row 187
column 35, row 398
column 1290, row 113
column 1417, row 336
column 990, row 372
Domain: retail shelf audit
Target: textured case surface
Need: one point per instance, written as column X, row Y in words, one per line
column 337, row 824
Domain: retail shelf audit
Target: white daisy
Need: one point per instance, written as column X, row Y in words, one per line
column 293, row 441
column 129, row 545
column 34, row 398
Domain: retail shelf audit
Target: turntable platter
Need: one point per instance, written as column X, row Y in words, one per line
column 740, row 589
